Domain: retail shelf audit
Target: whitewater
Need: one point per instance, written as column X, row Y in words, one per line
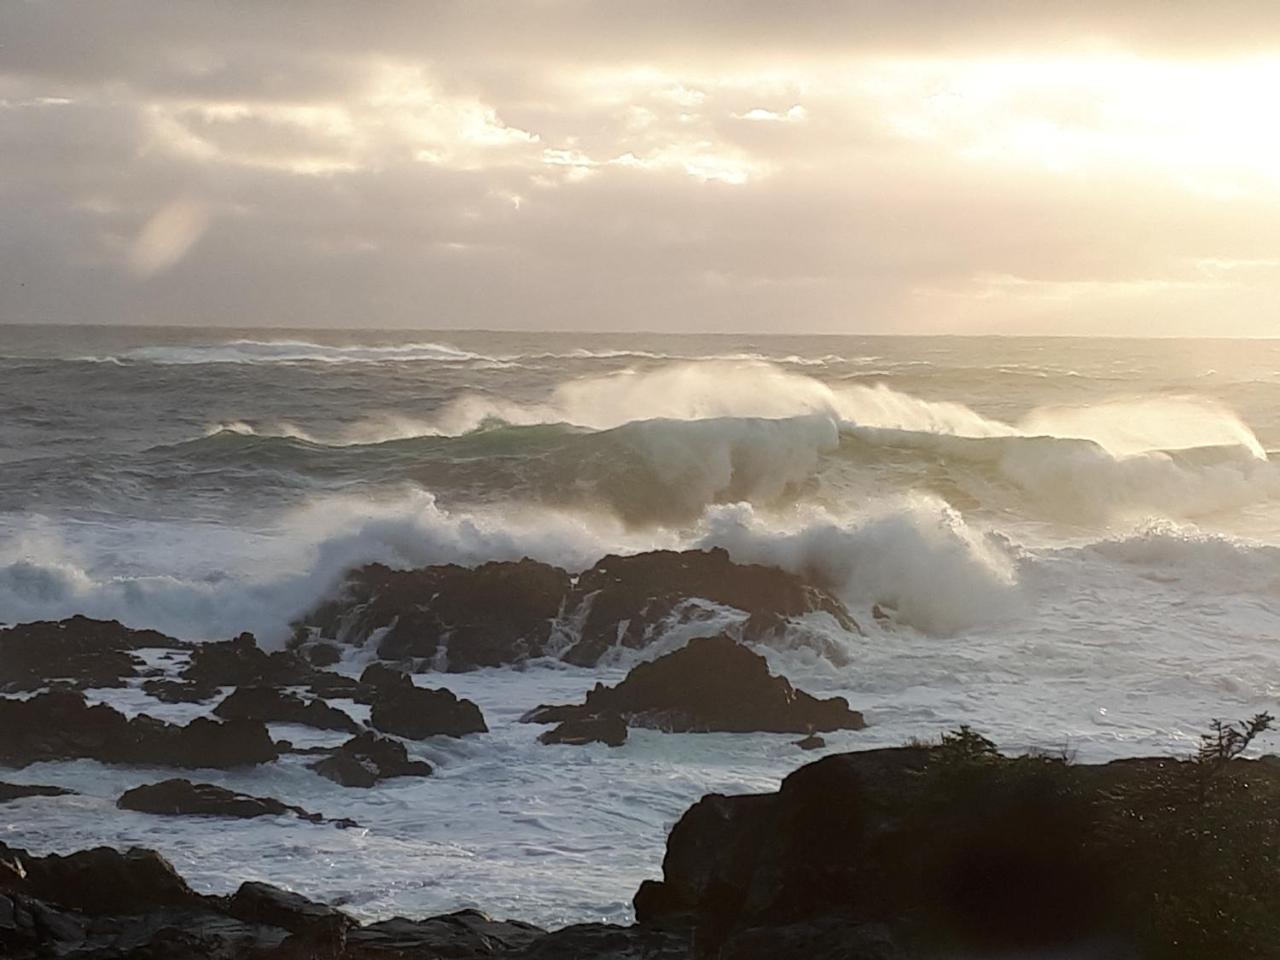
column 1067, row 544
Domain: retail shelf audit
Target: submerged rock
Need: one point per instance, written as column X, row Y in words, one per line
column 461, row 618
column 179, row 797
column 609, row 729
column 367, row 759
column 276, row 706
column 407, row 710
column 61, row 725
column 88, row 653
column 712, row 684
column 20, row 791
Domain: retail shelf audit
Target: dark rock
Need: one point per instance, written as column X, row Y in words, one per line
column 334, row 686
column 884, row 852
column 176, row 691
column 60, row 725
column 600, row 941
column 489, row 615
column 811, row 742
column 500, row 613
column 19, row 791
column 242, row 663
column 607, row 728
column 417, row 712
column 713, row 683
column 97, row 881
column 323, row 654
column 261, row 903
column 364, row 760
column 555, row 713
column 275, row 706
column 179, row 797
column 640, row 592
column 89, row 653
column 378, row 676
column 465, row 934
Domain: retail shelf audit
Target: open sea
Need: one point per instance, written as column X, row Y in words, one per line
column 1076, row 544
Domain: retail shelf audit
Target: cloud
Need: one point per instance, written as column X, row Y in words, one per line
column 869, row 166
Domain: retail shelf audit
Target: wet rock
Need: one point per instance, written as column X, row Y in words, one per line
column 61, row 725
column 276, row 706
column 712, row 684
column 177, row 691
column 242, row 663
column 20, row 791
column 179, row 797
column 626, row 599
column 489, row 615
column 811, row 742
column 601, row 941
column 414, row 712
column 261, row 903
column 335, row 686
column 88, row 653
column 323, row 654
column 365, row 760
column 609, row 729
column 464, row 934
column 97, row 881
column 461, row 618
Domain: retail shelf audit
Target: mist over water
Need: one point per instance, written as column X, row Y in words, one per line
column 1067, row 540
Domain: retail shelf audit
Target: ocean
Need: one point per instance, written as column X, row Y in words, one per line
column 1074, row 546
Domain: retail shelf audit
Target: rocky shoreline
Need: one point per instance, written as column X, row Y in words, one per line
column 937, row 850
column 945, row 849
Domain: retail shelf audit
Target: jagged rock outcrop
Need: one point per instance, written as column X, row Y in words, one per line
column 276, row 706
column 242, row 663
column 626, row 598
column 460, row 618
column 489, row 615
column 367, row 759
column 85, row 652
column 180, row 797
column 407, row 710
column 61, row 725
column 713, row 683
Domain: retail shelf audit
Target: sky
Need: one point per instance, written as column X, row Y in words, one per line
column 906, row 166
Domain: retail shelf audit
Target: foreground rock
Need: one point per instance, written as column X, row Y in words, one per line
column 955, row 850
column 61, row 725
column 20, row 791
column 88, row 653
column 275, row 706
column 112, row 905
column 916, row 853
column 368, row 759
column 180, row 797
column 713, row 683
column 498, row 613
column 415, row 712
